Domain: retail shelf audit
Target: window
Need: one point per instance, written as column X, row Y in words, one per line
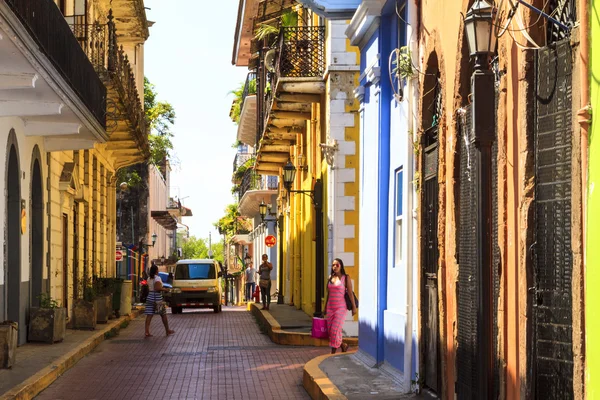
column 195, row 271
column 398, row 216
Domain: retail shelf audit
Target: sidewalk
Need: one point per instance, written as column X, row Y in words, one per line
column 333, row 376
column 287, row 325
column 39, row 364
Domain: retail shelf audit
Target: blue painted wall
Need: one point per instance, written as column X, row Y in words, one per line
column 385, row 150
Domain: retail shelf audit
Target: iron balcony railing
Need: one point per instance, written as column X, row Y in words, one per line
column 300, row 53
column 241, row 159
column 253, row 181
column 99, row 42
column 48, row 28
column 249, row 86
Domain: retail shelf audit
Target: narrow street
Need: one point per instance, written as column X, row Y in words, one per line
column 211, row 356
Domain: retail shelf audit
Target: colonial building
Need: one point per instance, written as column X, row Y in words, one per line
column 71, row 117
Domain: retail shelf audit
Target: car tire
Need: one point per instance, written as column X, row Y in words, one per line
column 216, row 309
column 176, row 310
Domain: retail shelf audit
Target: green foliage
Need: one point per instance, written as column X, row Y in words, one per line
column 402, row 65
column 161, row 117
column 194, row 247
column 232, row 222
column 236, row 106
column 130, row 176
column 289, row 18
column 239, row 173
column 46, row 301
column 265, row 30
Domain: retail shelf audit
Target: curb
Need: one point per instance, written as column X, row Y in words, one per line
column 317, row 384
column 33, row 385
column 288, row 338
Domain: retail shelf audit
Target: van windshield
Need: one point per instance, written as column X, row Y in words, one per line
column 195, row 271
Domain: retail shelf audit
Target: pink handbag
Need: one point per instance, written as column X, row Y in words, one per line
column 319, row 328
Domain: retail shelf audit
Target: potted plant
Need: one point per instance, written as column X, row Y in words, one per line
column 48, row 322
column 84, row 307
column 8, row 343
column 103, row 291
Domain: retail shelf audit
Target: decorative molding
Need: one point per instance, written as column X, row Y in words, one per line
column 359, row 93
column 374, row 75
column 365, row 22
column 329, row 151
column 332, row 9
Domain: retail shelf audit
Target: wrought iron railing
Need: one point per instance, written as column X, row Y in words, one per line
column 99, row 42
column 253, row 181
column 241, row 159
column 300, row 54
column 249, row 86
column 48, row 28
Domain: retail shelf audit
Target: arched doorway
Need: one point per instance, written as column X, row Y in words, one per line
column 13, row 238
column 36, row 230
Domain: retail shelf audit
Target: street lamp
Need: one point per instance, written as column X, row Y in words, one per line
column 316, row 196
column 482, row 44
column 262, row 209
column 480, row 35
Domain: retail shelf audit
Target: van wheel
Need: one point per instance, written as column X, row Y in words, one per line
column 217, row 308
column 176, row 310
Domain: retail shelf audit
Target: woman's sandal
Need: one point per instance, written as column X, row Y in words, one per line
column 344, row 347
column 170, row 332
column 148, row 334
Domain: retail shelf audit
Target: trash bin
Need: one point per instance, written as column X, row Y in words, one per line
column 125, row 308
column 117, row 286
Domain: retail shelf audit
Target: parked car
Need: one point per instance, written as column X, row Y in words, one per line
column 196, row 284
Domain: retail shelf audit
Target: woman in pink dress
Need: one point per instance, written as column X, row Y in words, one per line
column 335, row 304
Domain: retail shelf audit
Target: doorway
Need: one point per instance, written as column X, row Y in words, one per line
column 76, row 287
column 432, row 109
column 13, row 243
column 36, row 234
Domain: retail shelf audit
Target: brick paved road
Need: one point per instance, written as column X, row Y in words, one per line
column 211, row 356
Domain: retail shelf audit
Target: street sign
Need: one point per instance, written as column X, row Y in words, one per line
column 270, row 241
column 118, row 255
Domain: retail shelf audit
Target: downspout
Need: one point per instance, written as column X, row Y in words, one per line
column 584, row 119
column 49, row 214
column 412, row 255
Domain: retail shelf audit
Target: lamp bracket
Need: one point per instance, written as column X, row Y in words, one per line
column 329, row 151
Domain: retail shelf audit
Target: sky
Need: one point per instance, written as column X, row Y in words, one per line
column 188, row 59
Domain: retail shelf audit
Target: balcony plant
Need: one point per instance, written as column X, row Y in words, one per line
column 48, row 322
column 84, row 307
column 236, row 105
column 8, row 343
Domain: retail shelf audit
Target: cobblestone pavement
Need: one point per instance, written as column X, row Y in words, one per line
column 211, row 356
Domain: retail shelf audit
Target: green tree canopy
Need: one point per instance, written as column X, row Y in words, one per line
column 194, row 247
column 161, row 117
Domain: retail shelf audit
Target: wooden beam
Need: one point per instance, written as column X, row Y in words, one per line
column 280, row 136
column 275, row 149
column 286, row 129
column 17, row 81
column 302, row 87
column 276, row 158
column 299, row 98
column 271, row 142
column 121, row 144
column 45, row 128
column 301, row 123
column 290, row 115
column 22, row 108
column 269, row 166
column 292, row 106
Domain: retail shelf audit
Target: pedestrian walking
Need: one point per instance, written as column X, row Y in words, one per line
column 264, row 272
column 154, row 302
column 250, row 281
column 335, row 304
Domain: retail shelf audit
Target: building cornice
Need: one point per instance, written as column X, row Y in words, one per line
column 332, row 9
column 364, row 22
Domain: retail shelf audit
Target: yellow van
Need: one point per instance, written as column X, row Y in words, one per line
column 196, row 284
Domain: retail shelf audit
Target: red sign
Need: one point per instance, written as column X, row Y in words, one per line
column 118, row 255
column 270, row 241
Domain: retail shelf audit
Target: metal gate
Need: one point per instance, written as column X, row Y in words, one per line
column 468, row 295
column 552, row 260
column 430, row 255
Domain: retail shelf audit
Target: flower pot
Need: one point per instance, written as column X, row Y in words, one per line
column 47, row 324
column 84, row 314
column 9, row 332
column 103, row 308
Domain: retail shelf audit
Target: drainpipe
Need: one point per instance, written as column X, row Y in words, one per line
column 412, row 253
column 49, row 214
column 584, row 114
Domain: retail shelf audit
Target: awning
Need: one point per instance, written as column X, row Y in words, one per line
column 165, row 219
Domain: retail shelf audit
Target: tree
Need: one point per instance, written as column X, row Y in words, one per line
column 161, row 117
column 194, row 247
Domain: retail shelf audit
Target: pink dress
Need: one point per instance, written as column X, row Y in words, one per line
column 336, row 311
